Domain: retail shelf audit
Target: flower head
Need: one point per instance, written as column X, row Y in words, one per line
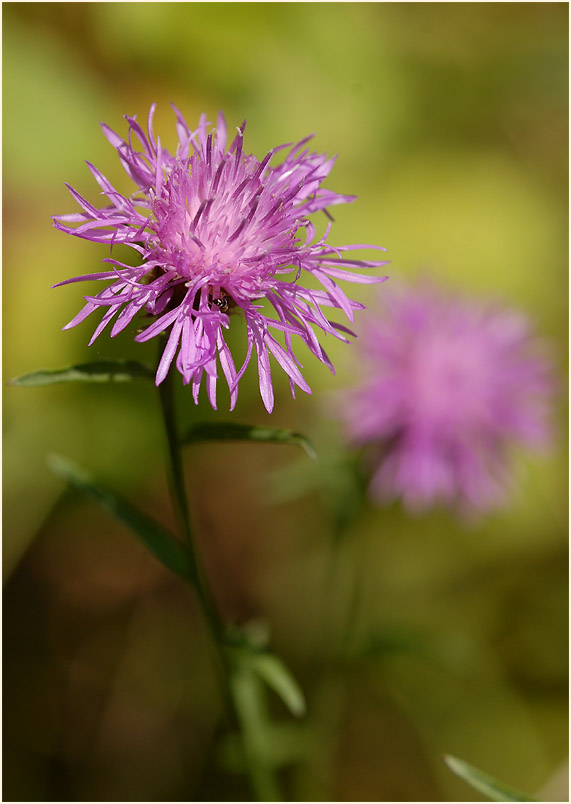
column 449, row 384
column 217, row 231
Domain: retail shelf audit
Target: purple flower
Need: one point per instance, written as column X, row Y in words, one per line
column 217, row 231
column 448, row 384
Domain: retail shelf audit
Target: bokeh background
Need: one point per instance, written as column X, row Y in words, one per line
column 451, row 125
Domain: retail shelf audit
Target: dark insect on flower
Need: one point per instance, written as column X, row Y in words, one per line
column 217, row 230
column 223, row 303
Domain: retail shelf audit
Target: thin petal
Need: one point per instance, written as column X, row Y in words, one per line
column 286, row 363
column 169, row 352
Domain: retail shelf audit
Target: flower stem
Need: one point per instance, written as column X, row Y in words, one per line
column 260, row 776
column 178, row 494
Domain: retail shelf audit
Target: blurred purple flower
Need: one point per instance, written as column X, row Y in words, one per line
column 217, row 230
column 449, row 384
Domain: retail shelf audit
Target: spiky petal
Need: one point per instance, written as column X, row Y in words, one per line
column 217, row 231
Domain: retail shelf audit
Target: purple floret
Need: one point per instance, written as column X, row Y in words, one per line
column 450, row 384
column 218, row 231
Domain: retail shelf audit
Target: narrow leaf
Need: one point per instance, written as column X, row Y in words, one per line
column 99, row 371
column 171, row 553
column 276, row 675
column 248, row 694
column 230, row 431
column 483, row 783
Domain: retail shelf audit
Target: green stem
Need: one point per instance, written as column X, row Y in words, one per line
column 261, row 777
column 178, row 494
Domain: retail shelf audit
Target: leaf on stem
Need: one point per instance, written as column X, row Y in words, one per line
column 248, row 695
column 98, row 371
column 248, row 650
column 483, row 783
column 276, row 675
column 230, row 431
column 171, row 553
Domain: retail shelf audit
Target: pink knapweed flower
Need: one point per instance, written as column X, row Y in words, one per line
column 217, row 232
column 449, row 385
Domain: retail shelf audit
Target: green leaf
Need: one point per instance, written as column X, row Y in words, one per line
column 248, row 693
column 230, row 431
column 160, row 542
column 247, row 647
column 99, row 371
column 485, row 784
column 276, row 675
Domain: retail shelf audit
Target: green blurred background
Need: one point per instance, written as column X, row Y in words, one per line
column 451, row 125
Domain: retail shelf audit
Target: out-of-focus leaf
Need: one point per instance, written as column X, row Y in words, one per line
column 171, row 553
column 250, row 654
column 248, row 694
column 231, row 431
column 99, row 371
column 276, row 675
column 483, row 783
